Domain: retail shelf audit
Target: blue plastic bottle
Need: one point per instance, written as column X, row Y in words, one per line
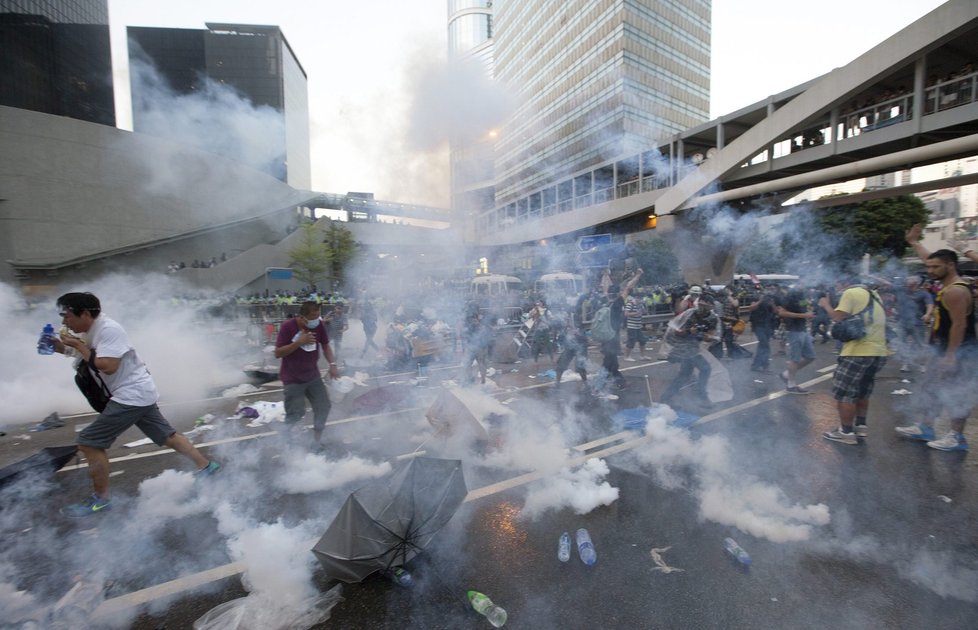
column 45, row 345
column 585, row 548
column 737, row 552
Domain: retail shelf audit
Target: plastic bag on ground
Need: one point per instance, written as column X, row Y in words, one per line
column 257, row 613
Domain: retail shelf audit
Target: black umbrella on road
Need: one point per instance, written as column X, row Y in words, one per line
column 389, row 521
column 47, row 460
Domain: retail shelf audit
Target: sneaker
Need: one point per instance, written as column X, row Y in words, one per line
column 862, row 430
column 952, row 441
column 838, row 435
column 89, row 506
column 917, row 431
column 797, row 390
column 208, row 470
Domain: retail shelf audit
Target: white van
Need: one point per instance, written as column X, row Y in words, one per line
column 495, row 285
column 560, row 283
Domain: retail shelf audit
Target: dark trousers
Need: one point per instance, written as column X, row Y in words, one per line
column 574, row 347
column 762, row 357
column 686, row 368
column 609, row 359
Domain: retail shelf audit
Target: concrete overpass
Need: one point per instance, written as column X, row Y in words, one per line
column 910, row 101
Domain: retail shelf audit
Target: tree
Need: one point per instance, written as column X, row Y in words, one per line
column 835, row 238
column 342, row 247
column 656, row 259
column 877, row 226
column 311, row 259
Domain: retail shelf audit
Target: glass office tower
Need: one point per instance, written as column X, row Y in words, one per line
column 471, row 156
column 256, row 61
column 595, row 80
column 55, row 58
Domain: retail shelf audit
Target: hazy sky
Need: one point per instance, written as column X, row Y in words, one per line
column 363, row 60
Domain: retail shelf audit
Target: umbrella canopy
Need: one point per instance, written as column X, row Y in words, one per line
column 382, row 398
column 465, row 409
column 389, row 521
column 47, row 460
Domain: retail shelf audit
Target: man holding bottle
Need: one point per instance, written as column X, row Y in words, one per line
column 133, row 396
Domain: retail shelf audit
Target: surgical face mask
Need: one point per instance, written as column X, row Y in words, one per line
column 312, row 323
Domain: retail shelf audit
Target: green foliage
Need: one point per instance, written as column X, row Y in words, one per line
column 875, row 226
column 311, row 259
column 658, row 262
column 835, row 238
column 342, row 247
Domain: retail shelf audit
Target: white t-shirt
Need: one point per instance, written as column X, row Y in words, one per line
column 132, row 383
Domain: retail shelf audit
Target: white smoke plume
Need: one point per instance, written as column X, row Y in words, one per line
column 582, row 490
column 726, row 495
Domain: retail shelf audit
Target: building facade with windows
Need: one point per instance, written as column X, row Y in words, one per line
column 594, row 80
column 470, row 24
column 256, row 61
column 55, row 58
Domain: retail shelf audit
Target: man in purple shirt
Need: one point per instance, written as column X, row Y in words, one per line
column 298, row 343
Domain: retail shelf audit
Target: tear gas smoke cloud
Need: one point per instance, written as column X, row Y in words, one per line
column 188, row 355
column 214, row 118
column 309, row 473
column 726, row 495
column 582, row 490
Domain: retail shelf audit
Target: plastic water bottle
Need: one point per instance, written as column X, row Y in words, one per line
column 737, row 552
column 563, row 547
column 45, row 345
column 585, row 548
column 399, row 576
column 484, row 606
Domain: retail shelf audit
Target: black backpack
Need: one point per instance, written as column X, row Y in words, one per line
column 89, row 381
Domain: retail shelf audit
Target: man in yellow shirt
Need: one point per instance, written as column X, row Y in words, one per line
column 859, row 361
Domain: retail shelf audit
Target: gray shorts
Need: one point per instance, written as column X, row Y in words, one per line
column 117, row 418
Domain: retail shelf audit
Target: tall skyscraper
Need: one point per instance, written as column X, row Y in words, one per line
column 472, row 172
column 594, row 80
column 55, row 58
column 256, row 61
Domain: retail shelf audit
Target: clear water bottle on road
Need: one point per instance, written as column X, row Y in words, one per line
column 736, row 552
column 563, row 547
column 484, row 606
column 585, row 548
column 45, row 344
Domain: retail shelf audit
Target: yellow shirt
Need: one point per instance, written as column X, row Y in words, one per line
column 853, row 300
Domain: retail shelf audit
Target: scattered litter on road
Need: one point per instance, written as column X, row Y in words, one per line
column 53, row 421
column 660, row 564
column 901, row 392
column 758, row 381
column 906, row 380
column 944, row 498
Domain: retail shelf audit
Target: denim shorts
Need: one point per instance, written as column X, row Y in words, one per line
column 800, row 345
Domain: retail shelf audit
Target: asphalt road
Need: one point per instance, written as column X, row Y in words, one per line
column 876, row 535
